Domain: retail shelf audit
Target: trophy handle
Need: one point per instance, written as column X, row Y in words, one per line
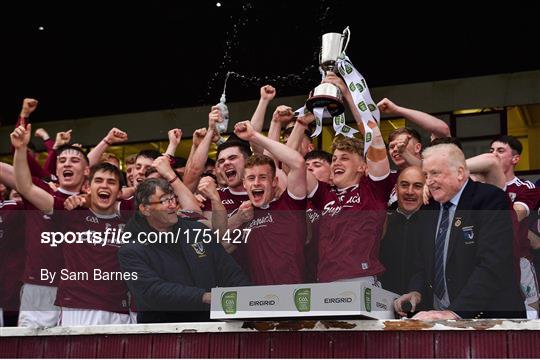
column 348, row 32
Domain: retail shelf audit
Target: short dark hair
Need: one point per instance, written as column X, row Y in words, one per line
column 319, row 154
column 514, row 143
column 67, row 147
column 405, row 130
column 148, row 153
column 148, row 188
column 106, row 167
column 446, row 140
column 210, row 162
column 260, row 159
column 242, row 146
column 289, row 130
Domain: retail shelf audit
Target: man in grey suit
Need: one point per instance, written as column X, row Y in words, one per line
column 464, row 268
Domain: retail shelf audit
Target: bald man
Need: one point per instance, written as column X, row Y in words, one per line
column 399, row 243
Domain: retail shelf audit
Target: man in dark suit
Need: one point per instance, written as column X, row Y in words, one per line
column 464, row 264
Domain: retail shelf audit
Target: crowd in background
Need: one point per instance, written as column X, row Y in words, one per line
column 455, row 237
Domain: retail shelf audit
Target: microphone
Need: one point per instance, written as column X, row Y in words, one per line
column 406, row 307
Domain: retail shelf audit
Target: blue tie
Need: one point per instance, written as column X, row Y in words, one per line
column 439, row 251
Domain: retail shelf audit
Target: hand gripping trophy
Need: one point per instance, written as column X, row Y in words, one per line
column 328, row 95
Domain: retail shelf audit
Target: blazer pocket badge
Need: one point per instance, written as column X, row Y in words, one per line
column 468, row 235
column 199, row 249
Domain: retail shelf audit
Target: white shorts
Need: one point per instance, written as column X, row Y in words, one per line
column 37, row 306
column 80, row 317
column 529, row 287
column 133, row 316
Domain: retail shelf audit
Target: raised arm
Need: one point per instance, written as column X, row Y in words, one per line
column 296, row 179
column 114, row 136
column 257, row 120
column 185, row 196
column 175, row 136
column 7, row 175
column 429, row 123
column 377, row 157
column 490, row 167
column 23, row 179
column 202, row 139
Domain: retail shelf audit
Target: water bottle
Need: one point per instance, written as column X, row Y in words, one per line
column 222, row 126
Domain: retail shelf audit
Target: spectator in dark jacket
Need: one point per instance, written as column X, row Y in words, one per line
column 399, row 244
column 174, row 278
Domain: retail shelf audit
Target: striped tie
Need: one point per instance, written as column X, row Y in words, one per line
column 439, row 252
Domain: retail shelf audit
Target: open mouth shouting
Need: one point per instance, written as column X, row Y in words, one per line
column 258, row 195
column 339, row 171
column 230, row 174
column 104, row 196
column 68, row 174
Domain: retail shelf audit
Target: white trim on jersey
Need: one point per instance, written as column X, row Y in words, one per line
column 520, row 182
column 379, row 178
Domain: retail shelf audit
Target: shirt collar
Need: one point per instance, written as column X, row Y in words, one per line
column 455, row 199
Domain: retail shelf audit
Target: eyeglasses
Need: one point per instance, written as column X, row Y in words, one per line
column 165, row 201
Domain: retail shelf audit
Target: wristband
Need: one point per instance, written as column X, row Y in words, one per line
column 173, row 179
column 107, row 142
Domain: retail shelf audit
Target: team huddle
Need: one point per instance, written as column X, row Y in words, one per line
column 452, row 236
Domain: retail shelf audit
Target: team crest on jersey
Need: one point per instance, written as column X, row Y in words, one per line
column 92, row 219
column 199, row 249
column 512, row 196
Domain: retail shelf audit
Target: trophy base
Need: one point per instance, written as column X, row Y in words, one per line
column 326, row 96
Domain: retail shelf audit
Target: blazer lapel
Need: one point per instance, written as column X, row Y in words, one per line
column 431, row 215
column 461, row 216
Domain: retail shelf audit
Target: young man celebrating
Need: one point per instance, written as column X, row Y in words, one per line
column 353, row 209
column 508, row 150
column 274, row 247
column 84, row 298
column 38, row 295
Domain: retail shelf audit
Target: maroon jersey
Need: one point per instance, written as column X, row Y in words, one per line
column 275, row 245
column 392, row 199
column 516, row 189
column 231, row 200
column 95, row 288
column 38, row 255
column 350, row 228
column 311, row 254
column 12, row 226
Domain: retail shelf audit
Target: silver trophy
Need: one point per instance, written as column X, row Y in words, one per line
column 328, row 95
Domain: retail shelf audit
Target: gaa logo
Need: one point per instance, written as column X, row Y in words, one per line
column 362, row 106
column 368, row 137
column 228, row 302
column 302, row 299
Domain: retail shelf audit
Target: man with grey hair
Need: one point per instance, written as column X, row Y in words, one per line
column 174, row 273
column 464, row 263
